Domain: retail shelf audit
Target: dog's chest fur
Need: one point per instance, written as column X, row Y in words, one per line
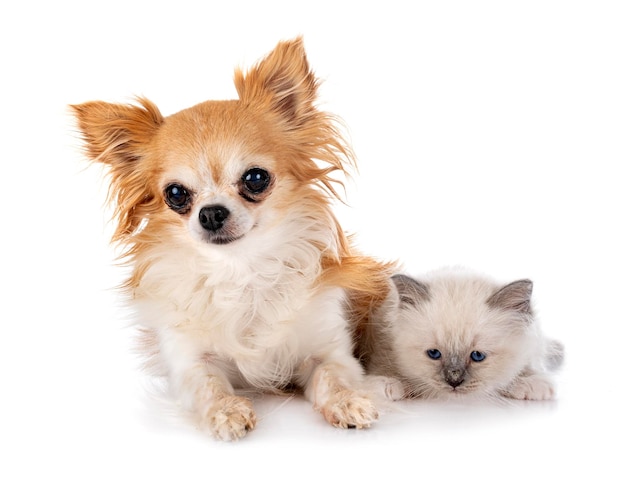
column 259, row 317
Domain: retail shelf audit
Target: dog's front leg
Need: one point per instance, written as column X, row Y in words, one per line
column 205, row 391
column 330, row 386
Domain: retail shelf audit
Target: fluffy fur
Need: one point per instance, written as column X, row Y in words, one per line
column 454, row 333
column 241, row 275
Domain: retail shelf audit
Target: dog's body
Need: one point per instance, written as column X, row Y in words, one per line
column 241, row 275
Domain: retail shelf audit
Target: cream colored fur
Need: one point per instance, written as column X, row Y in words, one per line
column 454, row 311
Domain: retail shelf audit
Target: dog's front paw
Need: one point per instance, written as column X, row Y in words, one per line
column 534, row 387
column 347, row 409
column 230, row 418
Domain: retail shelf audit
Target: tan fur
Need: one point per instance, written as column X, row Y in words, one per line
column 290, row 259
column 122, row 137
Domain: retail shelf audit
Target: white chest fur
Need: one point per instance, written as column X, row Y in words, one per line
column 260, row 318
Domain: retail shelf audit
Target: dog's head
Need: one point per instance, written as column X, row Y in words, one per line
column 221, row 169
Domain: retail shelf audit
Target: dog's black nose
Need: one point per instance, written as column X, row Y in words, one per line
column 212, row 217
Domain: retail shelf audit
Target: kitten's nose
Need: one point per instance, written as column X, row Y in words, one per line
column 212, row 217
column 455, row 377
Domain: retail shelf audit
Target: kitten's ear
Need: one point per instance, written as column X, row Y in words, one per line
column 410, row 291
column 514, row 296
column 283, row 79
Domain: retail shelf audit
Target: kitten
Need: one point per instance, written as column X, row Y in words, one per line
column 453, row 333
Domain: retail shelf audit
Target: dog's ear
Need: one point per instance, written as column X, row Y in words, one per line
column 283, row 80
column 118, row 136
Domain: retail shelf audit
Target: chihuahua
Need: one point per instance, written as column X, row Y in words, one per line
column 241, row 276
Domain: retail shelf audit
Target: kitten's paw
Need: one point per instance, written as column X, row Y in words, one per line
column 387, row 387
column 535, row 387
column 394, row 389
column 347, row 409
column 230, row 418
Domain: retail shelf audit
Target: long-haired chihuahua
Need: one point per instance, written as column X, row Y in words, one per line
column 241, row 276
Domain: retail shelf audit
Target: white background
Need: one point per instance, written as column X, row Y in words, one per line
column 489, row 134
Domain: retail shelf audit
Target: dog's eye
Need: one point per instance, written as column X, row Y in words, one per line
column 256, row 180
column 177, row 197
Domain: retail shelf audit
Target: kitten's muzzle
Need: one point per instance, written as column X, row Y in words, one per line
column 454, row 376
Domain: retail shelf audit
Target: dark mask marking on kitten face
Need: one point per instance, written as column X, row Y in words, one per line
column 411, row 291
column 514, row 296
column 454, row 375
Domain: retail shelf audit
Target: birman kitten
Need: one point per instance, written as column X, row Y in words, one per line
column 453, row 333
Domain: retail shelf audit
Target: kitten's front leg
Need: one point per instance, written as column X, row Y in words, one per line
column 205, row 392
column 330, row 388
column 537, row 387
column 385, row 386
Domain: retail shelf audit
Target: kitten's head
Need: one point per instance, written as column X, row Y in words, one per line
column 456, row 334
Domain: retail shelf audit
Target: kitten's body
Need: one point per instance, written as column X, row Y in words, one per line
column 453, row 333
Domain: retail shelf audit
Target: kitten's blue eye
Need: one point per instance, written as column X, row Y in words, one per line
column 477, row 356
column 433, row 354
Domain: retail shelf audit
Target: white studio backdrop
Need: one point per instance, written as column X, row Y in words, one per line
column 488, row 134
